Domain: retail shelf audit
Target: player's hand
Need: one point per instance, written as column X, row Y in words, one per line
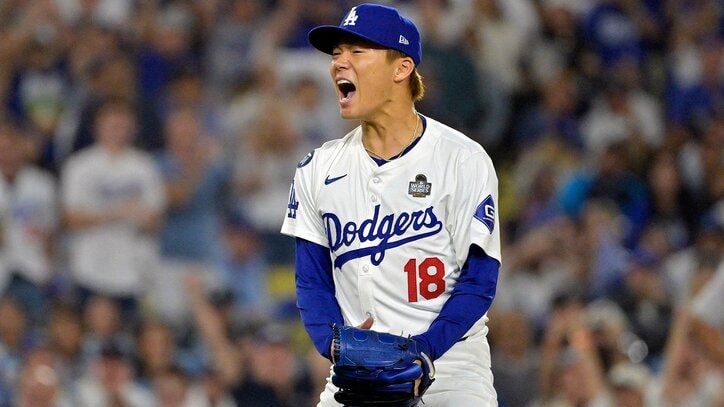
column 419, row 380
column 367, row 324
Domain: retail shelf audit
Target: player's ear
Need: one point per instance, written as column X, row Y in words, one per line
column 403, row 69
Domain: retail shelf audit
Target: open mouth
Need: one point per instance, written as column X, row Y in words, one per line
column 346, row 90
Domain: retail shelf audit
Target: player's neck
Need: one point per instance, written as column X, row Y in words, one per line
column 387, row 136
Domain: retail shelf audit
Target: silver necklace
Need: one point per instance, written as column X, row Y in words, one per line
column 414, row 137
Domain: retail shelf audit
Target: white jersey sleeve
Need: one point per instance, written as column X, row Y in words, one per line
column 475, row 216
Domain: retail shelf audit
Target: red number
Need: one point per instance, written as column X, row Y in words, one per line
column 432, row 283
column 432, row 279
column 411, row 270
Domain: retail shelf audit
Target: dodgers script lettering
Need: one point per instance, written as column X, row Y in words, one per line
column 407, row 227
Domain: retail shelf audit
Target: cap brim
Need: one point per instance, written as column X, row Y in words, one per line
column 326, row 37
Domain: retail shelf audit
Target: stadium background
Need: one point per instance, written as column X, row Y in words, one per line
column 603, row 117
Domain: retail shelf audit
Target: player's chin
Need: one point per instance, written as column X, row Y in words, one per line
column 348, row 108
column 348, row 113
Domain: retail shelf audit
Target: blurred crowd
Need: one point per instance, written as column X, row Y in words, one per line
column 146, row 151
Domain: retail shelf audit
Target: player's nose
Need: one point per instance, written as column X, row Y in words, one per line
column 340, row 61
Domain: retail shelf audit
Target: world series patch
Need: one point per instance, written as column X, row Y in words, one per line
column 419, row 188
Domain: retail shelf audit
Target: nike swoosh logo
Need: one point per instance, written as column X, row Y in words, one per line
column 329, row 180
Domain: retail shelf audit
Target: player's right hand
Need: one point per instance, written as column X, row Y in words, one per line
column 367, row 324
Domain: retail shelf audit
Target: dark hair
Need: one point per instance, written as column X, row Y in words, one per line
column 113, row 105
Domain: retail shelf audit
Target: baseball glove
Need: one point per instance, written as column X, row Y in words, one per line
column 378, row 369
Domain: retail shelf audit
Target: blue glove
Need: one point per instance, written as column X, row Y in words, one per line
column 378, row 369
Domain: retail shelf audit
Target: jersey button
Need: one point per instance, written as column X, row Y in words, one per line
column 374, row 198
column 376, row 180
column 365, row 269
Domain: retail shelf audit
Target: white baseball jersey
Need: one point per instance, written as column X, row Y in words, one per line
column 112, row 258
column 399, row 233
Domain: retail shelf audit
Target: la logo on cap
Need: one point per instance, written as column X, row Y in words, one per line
column 351, row 17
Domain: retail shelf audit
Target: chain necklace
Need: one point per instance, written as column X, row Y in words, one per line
column 414, row 137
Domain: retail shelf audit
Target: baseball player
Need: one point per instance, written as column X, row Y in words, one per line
column 395, row 223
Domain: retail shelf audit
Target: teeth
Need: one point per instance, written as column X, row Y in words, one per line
column 343, row 82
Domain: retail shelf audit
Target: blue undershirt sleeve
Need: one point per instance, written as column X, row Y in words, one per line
column 469, row 301
column 316, row 299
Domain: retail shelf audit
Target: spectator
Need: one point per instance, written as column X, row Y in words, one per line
column 209, row 390
column 700, row 163
column 307, row 14
column 174, row 388
column 604, row 257
column 542, row 267
column 610, row 180
column 110, row 78
column 37, row 92
column 113, row 200
column 195, row 179
column 229, row 358
column 570, row 371
column 156, row 354
column 103, row 323
column 244, row 271
column 64, row 339
column 706, row 251
column 16, row 338
column 40, row 384
column 629, row 382
column 674, row 206
column 614, row 341
column 514, row 360
column 497, row 44
column 274, row 363
column 268, row 152
column 613, row 32
column 243, row 107
column 111, row 381
column 29, row 221
column 559, row 46
column 647, row 302
column 233, row 43
column 695, row 99
column 458, row 97
column 319, row 370
column 170, row 388
column 622, row 113
column 166, row 47
column 554, row 117
column 185, row 91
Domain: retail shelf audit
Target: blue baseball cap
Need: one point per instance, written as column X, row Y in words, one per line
column 375, row 23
